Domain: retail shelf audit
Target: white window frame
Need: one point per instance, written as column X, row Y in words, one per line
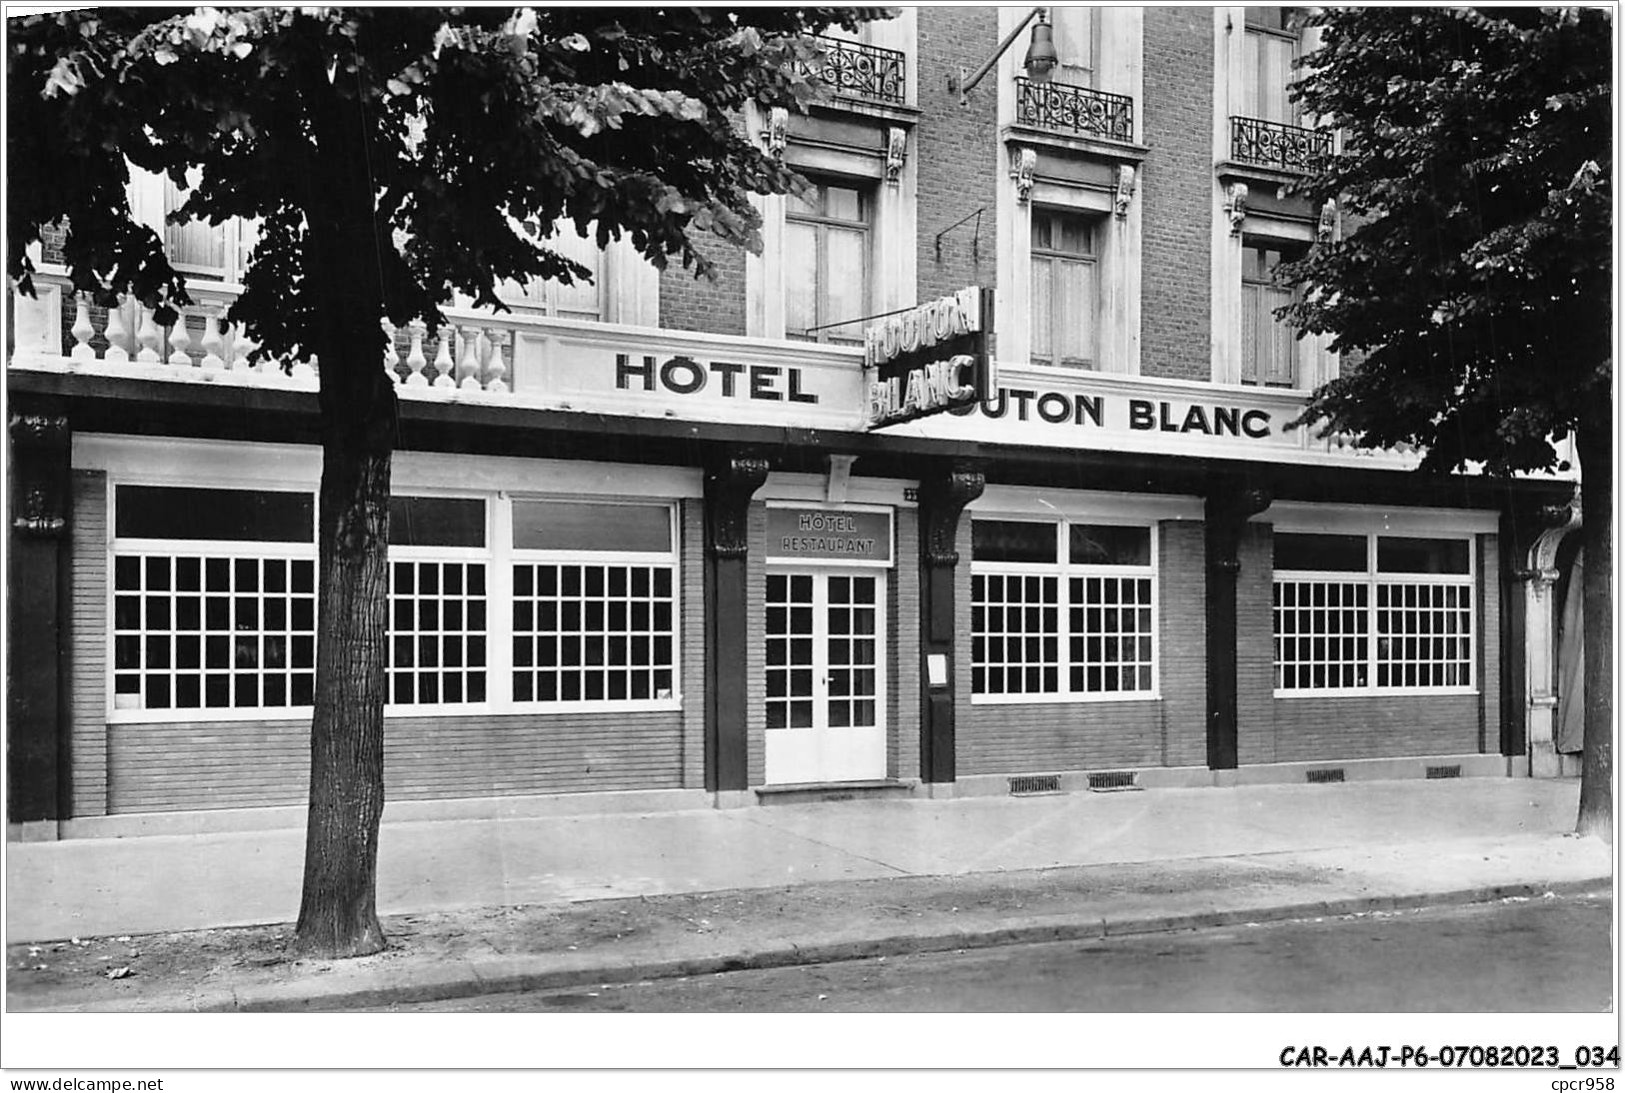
column 231, row 550
column 443, row 554
column 512, row 556
column 1096, row 228
column 1065, row 571
column 1253, row 78
column 1374, row 579
column 1299, row 351
column 823, row 225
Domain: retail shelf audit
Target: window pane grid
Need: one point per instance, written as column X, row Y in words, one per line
column 1111, row 634
column 1015, row 634
column 593, row 632
column 1322, row 633
column 437, row 632
column 1424, row 635
column 201, row 631
column 790, row 653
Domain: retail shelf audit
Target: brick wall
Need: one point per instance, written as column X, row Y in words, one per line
column 713, row 306
column 903, row 669
column 691, row 641
column 1370, row 727
column 1489, row 638
column 1008, row 738
column 242, row 764
column 957, row 150
column 1178, row 192
column 1255, row 647
column 1182, row 640
column 87, row 645
column 756, row 645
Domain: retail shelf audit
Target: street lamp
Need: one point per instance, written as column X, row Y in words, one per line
column 1040, row 60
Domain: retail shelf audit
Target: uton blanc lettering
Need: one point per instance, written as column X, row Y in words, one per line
column 686, row 376
column 1057, row 408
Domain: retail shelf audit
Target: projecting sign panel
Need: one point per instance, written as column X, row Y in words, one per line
column 929, row 359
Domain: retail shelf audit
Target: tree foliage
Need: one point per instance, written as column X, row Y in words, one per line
column 1472, row 281
column 476, row 122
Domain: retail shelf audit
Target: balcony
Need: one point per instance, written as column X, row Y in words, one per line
column 1072, row 110
column 857, row 71
column 1292, row 148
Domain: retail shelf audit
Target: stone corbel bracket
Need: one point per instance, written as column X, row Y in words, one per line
column 1235, row 205
column 1023, row 166
column 1328, row 222
column 728, row 490
column 776, row 133
column 942, row 499
column 1127, row 181
column 896, row 153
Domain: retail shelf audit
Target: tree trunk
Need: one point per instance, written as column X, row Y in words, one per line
column 337, row 912
column 1595, row 442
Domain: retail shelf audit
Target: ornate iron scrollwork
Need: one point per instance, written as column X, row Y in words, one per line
column 1273, row 144
column 1068, row 108
column 859, row 71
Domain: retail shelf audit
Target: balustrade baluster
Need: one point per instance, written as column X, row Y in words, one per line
column 468, row 371
column 179, row 339
column 415, row 362
column 82, row 332
column 117, row 335
column 442, row 358
column 149, row 337
column 496, row 369
column 214, row 342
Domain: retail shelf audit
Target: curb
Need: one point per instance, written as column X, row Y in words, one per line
column 463, row 978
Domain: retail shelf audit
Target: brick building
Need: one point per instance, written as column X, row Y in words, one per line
column 647, row 553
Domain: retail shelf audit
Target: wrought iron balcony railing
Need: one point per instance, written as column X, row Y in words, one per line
column 1068, row 108
column 855, row 70
column 1272, row 144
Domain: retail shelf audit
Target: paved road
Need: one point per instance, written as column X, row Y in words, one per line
column 1521, row 956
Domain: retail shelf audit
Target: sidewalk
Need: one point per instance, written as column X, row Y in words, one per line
column 479, row 906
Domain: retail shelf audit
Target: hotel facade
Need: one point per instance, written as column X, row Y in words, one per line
column 651, row 549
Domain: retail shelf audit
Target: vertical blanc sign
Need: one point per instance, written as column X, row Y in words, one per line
column 929, row 359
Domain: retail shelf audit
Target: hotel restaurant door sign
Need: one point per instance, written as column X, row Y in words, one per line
column 929, row 359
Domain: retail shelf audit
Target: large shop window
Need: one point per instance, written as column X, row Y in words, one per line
column 214, row 603
column 437, row 600
column 1065, row 289
column 826, row 254
column 1062, row 610
column 1372, row 613
column 594, row 602
column 214, row 599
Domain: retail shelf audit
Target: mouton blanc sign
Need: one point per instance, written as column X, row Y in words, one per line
column 929, row 359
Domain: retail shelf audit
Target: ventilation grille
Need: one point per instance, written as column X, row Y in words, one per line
column 1329, row 774
column 1445, row 772
column 1024, row 784
column 1112, row 779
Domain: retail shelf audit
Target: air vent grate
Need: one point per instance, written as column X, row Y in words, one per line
column 1023, row 785
column 1112, row 779
column 1445, row 772
column 1327, row 774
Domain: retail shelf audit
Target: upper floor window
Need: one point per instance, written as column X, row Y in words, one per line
column 582, row 299
column 1073, row 30
column 1064, row 289
column 1271, row 47
column 197, row 247
column 1269, row 347
column 827, row 265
